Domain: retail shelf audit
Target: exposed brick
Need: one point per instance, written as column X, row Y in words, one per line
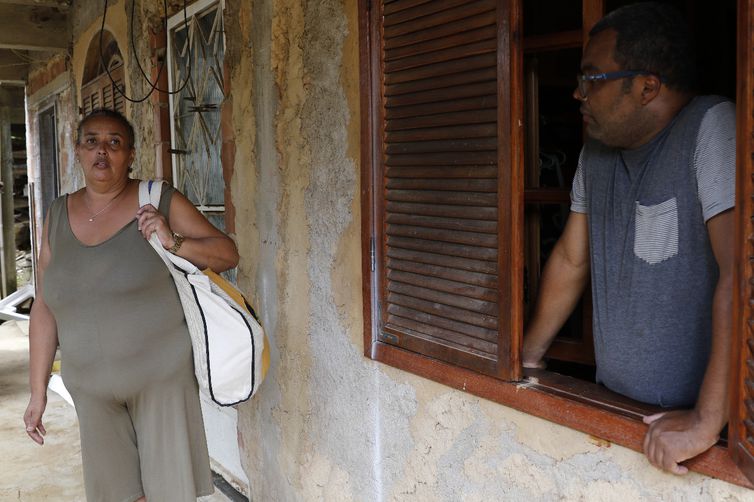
column 43, row 75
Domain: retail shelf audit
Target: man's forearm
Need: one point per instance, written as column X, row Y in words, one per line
column 712, row 404
column 561, row 287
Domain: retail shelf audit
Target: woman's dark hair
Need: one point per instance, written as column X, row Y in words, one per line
column 111, row 114
column 652, row 36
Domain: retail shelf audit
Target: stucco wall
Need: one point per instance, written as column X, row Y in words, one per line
column 329, row 424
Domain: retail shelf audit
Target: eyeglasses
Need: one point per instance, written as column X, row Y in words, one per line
column 585, row 81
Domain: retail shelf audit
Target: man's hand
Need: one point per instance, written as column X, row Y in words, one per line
column 676, row 436
column 531, row 357
column 534, row 364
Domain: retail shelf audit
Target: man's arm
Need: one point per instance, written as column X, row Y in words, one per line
column 563, row 281
column 679, row 435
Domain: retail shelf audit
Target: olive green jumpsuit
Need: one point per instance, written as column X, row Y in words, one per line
column 126, row 360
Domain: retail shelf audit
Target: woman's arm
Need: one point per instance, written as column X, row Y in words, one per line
column 43, row 342
column 204, row 245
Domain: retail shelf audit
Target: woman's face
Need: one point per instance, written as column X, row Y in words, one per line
column 104, row 150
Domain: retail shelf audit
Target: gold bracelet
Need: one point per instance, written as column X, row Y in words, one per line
column 178, row 239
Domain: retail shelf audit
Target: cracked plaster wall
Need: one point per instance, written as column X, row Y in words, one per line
column 329, row 424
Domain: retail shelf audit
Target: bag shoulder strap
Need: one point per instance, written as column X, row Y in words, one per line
column 149, row 193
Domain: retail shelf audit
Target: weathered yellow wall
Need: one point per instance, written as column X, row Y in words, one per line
column 329, row 424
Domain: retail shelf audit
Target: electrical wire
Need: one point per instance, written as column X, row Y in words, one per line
column 152, row 85
column 162, row 64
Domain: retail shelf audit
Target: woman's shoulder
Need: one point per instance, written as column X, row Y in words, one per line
column 58, row 204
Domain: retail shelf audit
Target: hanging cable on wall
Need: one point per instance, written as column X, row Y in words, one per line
column 152, row 85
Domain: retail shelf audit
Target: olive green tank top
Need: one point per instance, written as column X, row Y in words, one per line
column 119, row 318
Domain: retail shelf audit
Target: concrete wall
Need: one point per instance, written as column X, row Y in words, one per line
column 329, row 424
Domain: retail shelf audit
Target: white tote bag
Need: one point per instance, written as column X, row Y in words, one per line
column 228, row 341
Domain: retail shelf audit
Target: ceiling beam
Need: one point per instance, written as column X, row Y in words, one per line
column 12, row 67
column 58, row 4
column 32, row 28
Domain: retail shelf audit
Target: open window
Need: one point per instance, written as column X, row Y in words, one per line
column 553, row 137
column 470, row 139
column 552, row 48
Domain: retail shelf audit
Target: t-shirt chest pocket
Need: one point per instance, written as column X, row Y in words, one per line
column 656, row 231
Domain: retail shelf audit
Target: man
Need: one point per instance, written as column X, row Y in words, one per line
column 651, row 221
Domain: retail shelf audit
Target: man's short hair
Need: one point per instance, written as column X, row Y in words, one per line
column 653, row 37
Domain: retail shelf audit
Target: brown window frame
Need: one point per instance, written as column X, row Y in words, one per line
column 576, row 404
column 741, row 428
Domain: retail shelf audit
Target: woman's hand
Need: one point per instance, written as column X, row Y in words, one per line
column 202, row 243
column 149, row 221
column 33, row 418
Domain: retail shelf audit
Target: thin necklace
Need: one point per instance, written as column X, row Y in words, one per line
column 91, row 218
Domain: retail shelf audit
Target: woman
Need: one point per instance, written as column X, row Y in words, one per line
column 108, row 299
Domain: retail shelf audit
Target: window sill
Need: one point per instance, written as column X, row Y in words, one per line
column 582, row 406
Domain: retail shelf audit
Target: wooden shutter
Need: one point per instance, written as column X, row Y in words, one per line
column 741, row 422
column 119, row 102
column 101, row 92
column 444, row 181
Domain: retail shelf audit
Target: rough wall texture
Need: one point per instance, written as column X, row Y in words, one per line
column 329, row 424
column 42, row 73
column 139, row 76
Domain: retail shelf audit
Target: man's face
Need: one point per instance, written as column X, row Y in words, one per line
column 612, row 113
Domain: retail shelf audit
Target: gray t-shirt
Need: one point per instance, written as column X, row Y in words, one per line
column 653, row 270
